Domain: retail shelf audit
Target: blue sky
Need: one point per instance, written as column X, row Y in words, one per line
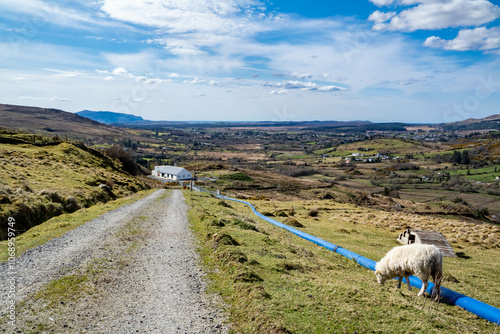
column 426, row 61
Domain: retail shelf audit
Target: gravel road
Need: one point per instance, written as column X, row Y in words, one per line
column 154, row 284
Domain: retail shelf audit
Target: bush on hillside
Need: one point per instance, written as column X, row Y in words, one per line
column 118, row 152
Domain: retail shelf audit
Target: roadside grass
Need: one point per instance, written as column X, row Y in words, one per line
column 276, row 282
column 62, row 224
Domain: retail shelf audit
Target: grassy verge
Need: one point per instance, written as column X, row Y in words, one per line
column 62, row 224
column 275, row 282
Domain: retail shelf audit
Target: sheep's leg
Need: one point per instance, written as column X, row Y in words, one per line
column 399, row 282
column 407, row 278
column 437, row 286
column 424, row 288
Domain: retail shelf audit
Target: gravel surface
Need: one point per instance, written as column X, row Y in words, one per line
column 152, row 285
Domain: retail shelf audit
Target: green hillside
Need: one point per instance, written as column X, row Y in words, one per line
column 41, row 178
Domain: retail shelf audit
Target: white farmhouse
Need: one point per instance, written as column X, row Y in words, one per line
column 171, row 173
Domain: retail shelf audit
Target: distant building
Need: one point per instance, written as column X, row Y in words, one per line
column 172, row 173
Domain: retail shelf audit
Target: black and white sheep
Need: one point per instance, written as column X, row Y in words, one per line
column 423, row 261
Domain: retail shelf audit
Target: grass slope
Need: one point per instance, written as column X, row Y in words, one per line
column 40, row 179
column 275, row 282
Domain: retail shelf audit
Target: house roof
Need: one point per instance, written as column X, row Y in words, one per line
column 170, row 170
column 429, row 238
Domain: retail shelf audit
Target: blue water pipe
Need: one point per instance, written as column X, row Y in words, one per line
column 472, row 305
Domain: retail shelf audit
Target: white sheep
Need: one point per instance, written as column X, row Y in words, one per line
column 423, row 261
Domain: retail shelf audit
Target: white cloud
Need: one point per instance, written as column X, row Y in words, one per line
column 307, row 86
column 434, row 14
column 143, row 61
column 301, row 76
column 191, row 43
column 190, row 24
column 402, row 82
column 330, row 88
column 60, row 99
column 381, row 3
column 279, row 92
column 379, row 17
column 40, row 12
column 175, row 15
column 123, row 72
column 195, row 81
column 119, row 71
column 469, row 39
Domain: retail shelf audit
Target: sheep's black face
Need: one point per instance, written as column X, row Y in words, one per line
column 380, row 279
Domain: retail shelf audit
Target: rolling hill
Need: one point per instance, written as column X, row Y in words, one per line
column 488, row 123
column 52, row 122
column 108, row 117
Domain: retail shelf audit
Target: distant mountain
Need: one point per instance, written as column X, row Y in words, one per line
column 129, row 120
column 51, row 122
column 109, row 117
column 488, row 123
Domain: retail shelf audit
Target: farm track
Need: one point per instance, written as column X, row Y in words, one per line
column 149, row 283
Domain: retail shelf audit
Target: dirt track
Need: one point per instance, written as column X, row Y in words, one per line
column 140, row 275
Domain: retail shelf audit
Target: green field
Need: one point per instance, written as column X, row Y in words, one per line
column 276, row 282
column 485, row 174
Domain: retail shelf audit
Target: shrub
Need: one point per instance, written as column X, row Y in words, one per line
column 304, row 172
column 225, row 239
column 313, row 212
column 341, row 178
column 405, row 166
column 248, row 276
column 4, row 199
column 53, row 196
column 244, row 225
column 224, row 204
column 237, row 177
column 232, row 255
column 128, row 162
column 72, row 204
column 481, row 213
column 292, row 222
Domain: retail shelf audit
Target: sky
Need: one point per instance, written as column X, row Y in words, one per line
column 416, row 61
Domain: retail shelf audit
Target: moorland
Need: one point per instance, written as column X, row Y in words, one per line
column 356, row 184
